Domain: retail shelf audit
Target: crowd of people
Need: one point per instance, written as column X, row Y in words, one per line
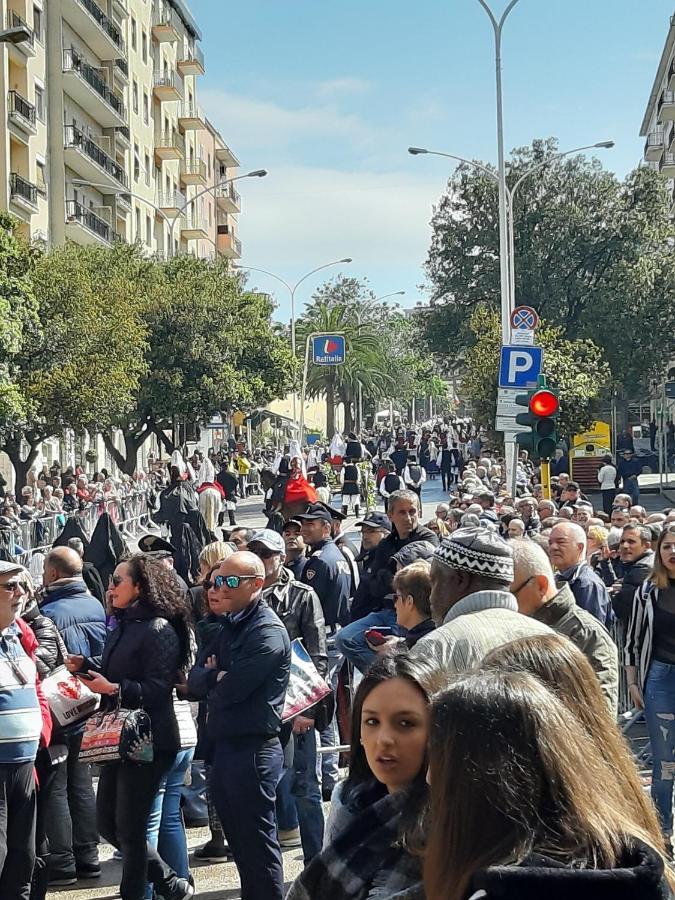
column 473, row 664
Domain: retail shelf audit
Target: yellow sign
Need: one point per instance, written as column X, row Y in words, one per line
column 238, row 419
column 598, row 435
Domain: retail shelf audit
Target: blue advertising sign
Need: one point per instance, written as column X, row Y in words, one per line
column 328, row 349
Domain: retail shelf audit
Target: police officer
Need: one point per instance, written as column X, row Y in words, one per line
column 374, row 527
column 327, row 571
column 345, row 546
column 299, row 608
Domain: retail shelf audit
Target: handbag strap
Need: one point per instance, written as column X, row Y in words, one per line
column 60, row 643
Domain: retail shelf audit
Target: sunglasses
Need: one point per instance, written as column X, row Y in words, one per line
column 230, row 581
column 10, row 586
column 115, row 580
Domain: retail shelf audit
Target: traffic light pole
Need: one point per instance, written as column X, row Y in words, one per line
column 545, row 475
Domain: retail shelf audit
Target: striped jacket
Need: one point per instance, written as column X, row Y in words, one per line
column 20, row 715
column 640, row 634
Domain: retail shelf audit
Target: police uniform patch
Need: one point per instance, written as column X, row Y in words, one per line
column 309, row 574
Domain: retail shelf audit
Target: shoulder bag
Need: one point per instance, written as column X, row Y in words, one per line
column 70, row 700
column 118, row 735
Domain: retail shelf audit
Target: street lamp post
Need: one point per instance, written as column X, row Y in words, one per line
column 292, row 289
column 171, row 222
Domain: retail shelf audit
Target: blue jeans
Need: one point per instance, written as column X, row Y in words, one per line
column 299, row 796
column 659, row 698
column 632, row 487
column 330, row 736
column 352, row 642
column 166, row 830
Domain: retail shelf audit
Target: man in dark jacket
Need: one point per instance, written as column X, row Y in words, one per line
column 567, row 551
column 296, row 559
column 244, row 674
column 628, row 469
column 70, row 815
column 374, row 528
column 403, row 513
column 299, row 608
column 637, row 561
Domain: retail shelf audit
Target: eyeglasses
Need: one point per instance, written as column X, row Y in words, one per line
column 10, row 586
column 517, row 590
column 115, row 580
column 230, row 581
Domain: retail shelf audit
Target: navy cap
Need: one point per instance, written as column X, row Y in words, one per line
column 316, row 511
column 375, row 520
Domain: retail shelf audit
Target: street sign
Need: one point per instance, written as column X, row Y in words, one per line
column 522, row 338
column 507, row 424
column 328, row 349
column 520, row 367
column 524, row 318
column 506, row 402
column 670, row 390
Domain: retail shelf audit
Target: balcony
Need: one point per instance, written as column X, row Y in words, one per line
column 123, row 137
column 123, row 202
column 172, row 203
column 667, row 165
column 167, row 87
column 23, row 194
column 228, row 198
column 169, row 145
column 26, row 48
column 229, row 245
column 193, row 171
column 225, row 156
column 83, row 226
column 666, row 110
column 21, row 113
column 190, row 117
column 89, row 89
column 193, row 228
column 654, row 146
column 84, row 156
column 121, row 71
column 94, row 28
column 166, row 24
column 190, row 60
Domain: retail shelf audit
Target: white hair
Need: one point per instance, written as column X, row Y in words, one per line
column 529, row 560
column 575, row 531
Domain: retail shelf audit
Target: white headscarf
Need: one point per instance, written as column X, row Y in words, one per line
column 294, row 453
column 206, row 473
column 338, row 445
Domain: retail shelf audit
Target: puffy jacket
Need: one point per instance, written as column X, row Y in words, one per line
column 633, row 575
column 79, row 617
column 142, row 655
column 47, row 653
column 254, row 653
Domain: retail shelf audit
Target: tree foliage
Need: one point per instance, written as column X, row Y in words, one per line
column 593, row 256
column 576, row 367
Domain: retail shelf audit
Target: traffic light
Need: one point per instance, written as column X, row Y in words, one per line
column 543, row 409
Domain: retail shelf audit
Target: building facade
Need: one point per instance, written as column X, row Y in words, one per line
column 105, row 137
column 658, row 124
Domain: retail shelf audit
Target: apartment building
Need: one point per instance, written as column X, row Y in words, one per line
column 105, row 138
column 658, row 124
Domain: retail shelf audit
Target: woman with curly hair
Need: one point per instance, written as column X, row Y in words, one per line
column 138, row 669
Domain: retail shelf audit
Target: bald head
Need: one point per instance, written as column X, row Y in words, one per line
column 242, row 576
column 567, row 545
column 61, row 562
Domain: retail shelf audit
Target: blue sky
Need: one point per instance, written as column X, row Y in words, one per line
column 328, row 95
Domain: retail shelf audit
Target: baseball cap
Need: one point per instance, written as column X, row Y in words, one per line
column 315, row 511
column 271, row 540
column 295, row 522
column 375, row 520
column 332, row 511
column 7, row 566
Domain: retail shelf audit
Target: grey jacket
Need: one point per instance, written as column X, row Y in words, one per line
column 565, row 616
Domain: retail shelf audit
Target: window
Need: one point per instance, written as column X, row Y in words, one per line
column 144, row 46
column 148, row 230
column 147, row 168
column 138, row 224
column 37, row 22
column 137, row 162
column 135, row 96
column 40, row 178
column 146, row 107
column 133, row 34
column 40, row 102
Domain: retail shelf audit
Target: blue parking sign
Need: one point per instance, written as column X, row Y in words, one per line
column 520, row 367
column 328, row 349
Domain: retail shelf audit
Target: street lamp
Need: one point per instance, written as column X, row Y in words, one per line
column 171, row 222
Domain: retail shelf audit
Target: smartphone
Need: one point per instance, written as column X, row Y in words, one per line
column 377, row 636
column 85, row 675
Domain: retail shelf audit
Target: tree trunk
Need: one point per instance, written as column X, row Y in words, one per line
column 168, row 445
column 349, row 418
column 21, row 466
column 133, row 441
column 330, row 413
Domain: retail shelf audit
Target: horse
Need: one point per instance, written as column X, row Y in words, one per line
column 210, row 505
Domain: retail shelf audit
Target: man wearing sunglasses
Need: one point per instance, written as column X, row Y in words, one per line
column 244, row 674
column 20, row 732
column 538, row 596
column 300, row 816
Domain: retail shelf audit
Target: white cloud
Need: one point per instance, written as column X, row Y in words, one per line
column 348, row 85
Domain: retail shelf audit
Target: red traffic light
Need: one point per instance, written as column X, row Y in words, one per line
column 544, row 403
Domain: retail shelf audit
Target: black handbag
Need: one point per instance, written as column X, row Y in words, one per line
column 119, row 735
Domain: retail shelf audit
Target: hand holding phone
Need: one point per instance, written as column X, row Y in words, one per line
column 377, row 636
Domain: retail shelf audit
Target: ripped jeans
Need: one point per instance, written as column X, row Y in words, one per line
column 659, row 696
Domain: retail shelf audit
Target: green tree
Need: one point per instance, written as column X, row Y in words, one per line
column 82, row 367
column 577, row 368
column 593, row 256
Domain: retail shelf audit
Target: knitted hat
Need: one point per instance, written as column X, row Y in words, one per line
column 479, row 551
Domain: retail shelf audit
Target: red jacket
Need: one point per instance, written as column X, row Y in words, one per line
column 30, row 644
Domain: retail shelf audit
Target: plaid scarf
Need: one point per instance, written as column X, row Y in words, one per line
column 365, row 861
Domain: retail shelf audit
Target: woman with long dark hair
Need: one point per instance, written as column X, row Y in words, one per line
column 375, row 817
column 141, row 660
column 523, row 804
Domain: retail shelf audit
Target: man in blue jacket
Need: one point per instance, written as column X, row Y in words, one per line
column 244, row 674
column 70, row 812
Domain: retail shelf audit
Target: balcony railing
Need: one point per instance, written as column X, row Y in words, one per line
column 21, row 107
column 192, row 53
column 124, row 130
column 19, row 187
column 667, row 161
column 194, row 167
column 171, row 200
column 14, row 20
column 667, row 99
column 73, row 62
column 123, row 66
column 168, row 139
column 89, row 219
column 167, row 80
column 166, row 15
column 106, row 25
column 229, row 190
column 75, row 138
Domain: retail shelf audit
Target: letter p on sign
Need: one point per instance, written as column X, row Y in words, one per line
column 520, row 366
